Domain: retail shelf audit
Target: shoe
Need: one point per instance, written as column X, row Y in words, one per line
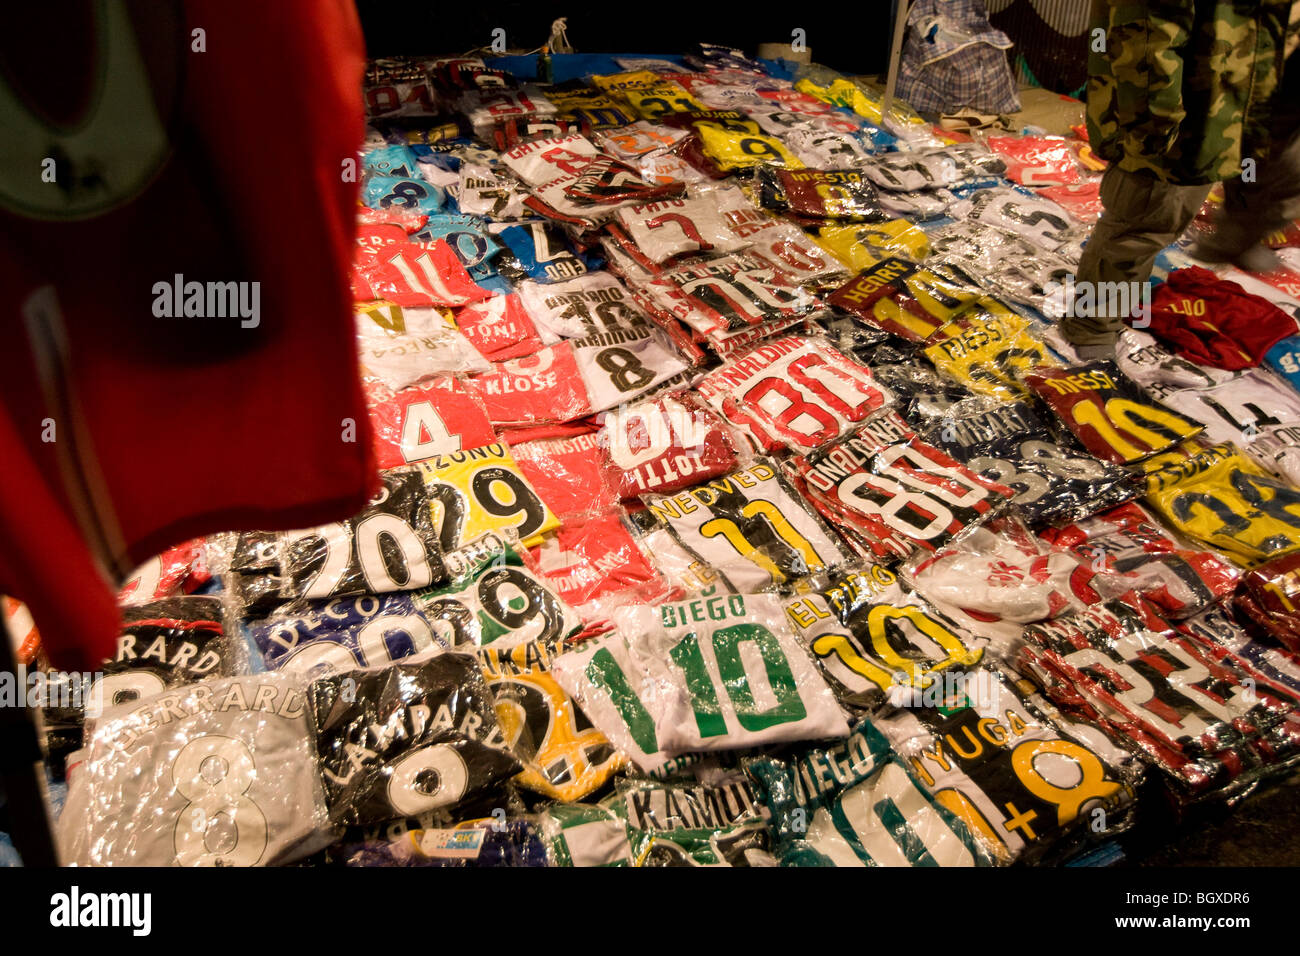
column 1055, row 337
column 1207, row 253
column 1258, row 258
column 1095, row 353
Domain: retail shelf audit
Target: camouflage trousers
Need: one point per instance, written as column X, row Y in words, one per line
column 1142, row 215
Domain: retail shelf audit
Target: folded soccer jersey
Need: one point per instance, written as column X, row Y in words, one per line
column 1019, row 783
column 855, row 803
column 1011, row 445
column 480, row 490
column 876, row 640
column 1223, row 499
column 896, row 490
column 432, row 418
column 162, row 644
column 318, row 637
column 407, row 739
column 390, row 546
column 1108, row 413
column 1164, row 696
column 663, row 445
column 673, row 679
column 149, row 786
column 564, row 756
column 751, row 528
column 794, row 392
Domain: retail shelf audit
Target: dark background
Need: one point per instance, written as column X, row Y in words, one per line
column 851, row 37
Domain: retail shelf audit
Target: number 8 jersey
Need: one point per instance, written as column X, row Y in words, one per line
column 220, row 773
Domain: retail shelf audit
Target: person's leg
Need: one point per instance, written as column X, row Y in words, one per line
column 1253, row 209
column 1141, row 215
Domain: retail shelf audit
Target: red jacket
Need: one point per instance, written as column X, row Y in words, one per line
column 220, row 165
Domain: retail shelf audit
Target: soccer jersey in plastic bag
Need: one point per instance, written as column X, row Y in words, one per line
column 1011, row 445
column 486, row 107
column 875, row 640
column 407, row 739
column 605, row 181
column 908, row 300
column 784, row 700
column 1041, row 221
column 640, row 139
column 827, row 148
column 591, row 109
column 663, row 445
column 164, row 643
column 494, row 193
column 1108, row 413
column 751, row 527
column 819, row 194
column 729, row 293
column 988, row 348
column 1163, row 695
column 1223, row 499
column 585, row 835
column 897, row 491
column 1037, row 160
column 567, row 473
column 1218, row 633
column 478, row 490
column 1000, row 577
column 856, row 804
column 468, row 236
column 1270, row 596
column 176, row 571
column 1233, row 406
column 730, row 150
column 499, row 327
column 930, row 168
column 421, row 274
column 619, row 365
column 677, row 227
column 661, row 97
column 400, row 346
column 542, row 251
column 1004, row 770
column 318, row 637
column 1177, row 580
column 687, row 825
column 700, row 691
column 794, row 392
column 1010, row 265
column 1277, row 448
column 431, row 418
column 410, row 192
column 595, row 302
column 495, row 595
column 543, row 387
column 392, row 545
column 214, row 774
column 862, row 246
column 595, row 561
column 564, row 756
